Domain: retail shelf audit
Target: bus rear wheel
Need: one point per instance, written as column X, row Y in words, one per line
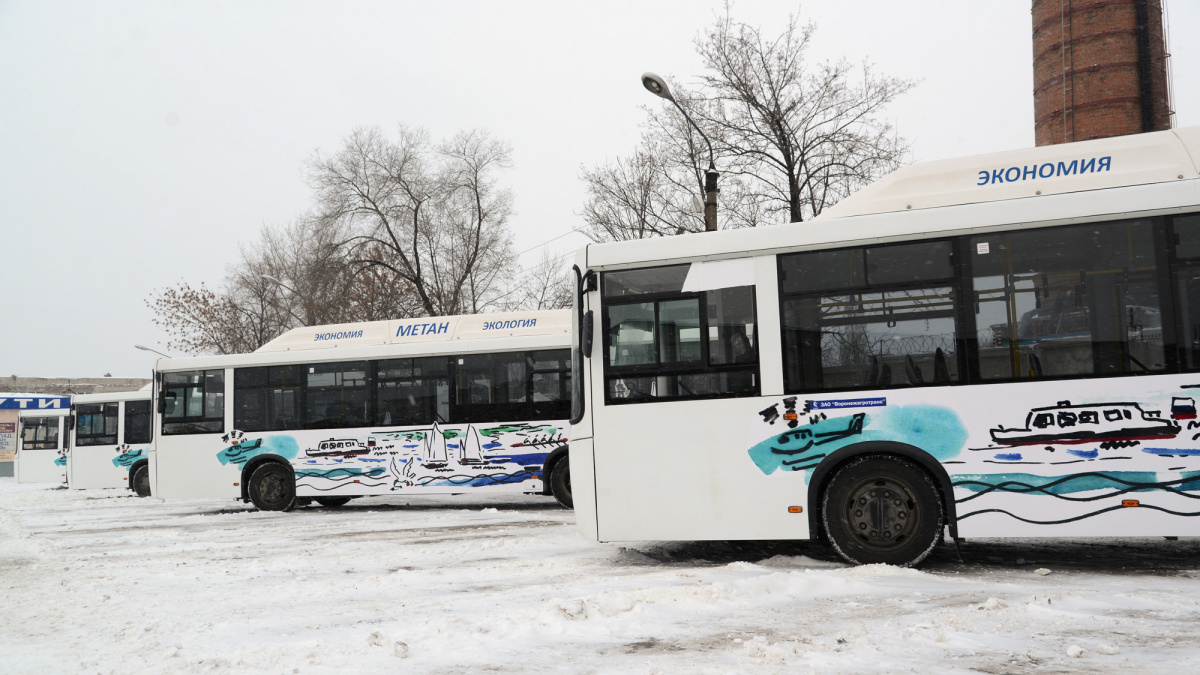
column 560, row 483
column 882, row 509
column 333, row 502
column 272, row 487
column 140, row 482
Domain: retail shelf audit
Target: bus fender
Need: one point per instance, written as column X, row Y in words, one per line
column 548, row 466
column 822, row 473
column 253, row 464
column 132, row 470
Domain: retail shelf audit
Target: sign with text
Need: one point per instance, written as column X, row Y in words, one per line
column 34, row 402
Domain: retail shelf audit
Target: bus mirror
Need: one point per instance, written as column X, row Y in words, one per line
column 586, row 331
column 162, row 401
column 70, row 421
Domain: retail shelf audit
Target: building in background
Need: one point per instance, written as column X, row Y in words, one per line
column 1099, row 69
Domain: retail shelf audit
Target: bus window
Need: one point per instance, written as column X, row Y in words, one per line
column 662, row 343
column 413, row 391
column 39, row 433
column 550, row 383
column 96, row 424
column 1063, row 301
column 267, row 398
column 1187, row 285
column 194, row 402
column 873, row 317
column 336, row 396
column 137, row 422
column 492, row 388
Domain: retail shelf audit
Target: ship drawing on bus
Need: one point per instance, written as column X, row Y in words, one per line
column 1108, row 423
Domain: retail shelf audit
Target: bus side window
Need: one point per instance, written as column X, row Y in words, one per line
column 195, row 402
column 869, row 318
column 662, row 343
column 1067, row 301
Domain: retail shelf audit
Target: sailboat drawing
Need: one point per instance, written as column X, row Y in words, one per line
column 470, row 450
column 435, row 448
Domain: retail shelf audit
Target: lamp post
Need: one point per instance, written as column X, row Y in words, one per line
column 147, row 349
column 658, row 86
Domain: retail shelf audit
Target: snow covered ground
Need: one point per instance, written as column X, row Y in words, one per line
column 99, row 581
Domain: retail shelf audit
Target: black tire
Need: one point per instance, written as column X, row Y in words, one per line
column 882, row 509
column 560, row 482
column 272, row 487
column 333, row 502
column 139, row 482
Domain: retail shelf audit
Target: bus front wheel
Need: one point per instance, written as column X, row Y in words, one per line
column 882, row 509
column 560, row 483
column 273, row 487
column 141, row 480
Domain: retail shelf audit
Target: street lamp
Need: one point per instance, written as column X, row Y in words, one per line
column 147, row 349
column 658, row 86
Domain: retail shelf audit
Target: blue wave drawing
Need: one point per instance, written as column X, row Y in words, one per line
column 126, row 459
column 284, row 446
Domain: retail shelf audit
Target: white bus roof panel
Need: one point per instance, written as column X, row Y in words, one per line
column 425, row 329
column 1138, row 159
column 142, row 394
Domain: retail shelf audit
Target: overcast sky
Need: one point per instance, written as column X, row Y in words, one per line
column 142, row 142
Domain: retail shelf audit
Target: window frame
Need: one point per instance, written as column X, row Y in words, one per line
column 42, row 443
column 91, row 440
column 954, row 282
column 677, row 368
column 187, row 425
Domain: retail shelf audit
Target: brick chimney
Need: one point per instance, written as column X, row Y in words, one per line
column 1099, row 69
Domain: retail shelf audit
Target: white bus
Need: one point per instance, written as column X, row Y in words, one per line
column 41, row 446
column 110, row 441
column 445, row 405
column 1007, row 345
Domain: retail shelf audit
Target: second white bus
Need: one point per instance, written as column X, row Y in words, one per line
column 443, row 405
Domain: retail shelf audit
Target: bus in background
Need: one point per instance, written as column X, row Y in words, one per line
column 1007, row 345
column 110, row 441
column 41, row 446
column 438, row 405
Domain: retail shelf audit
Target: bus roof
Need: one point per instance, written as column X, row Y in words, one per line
column 425, row 329
column 142, row 394
column 1139, row 159
column 1141, row 174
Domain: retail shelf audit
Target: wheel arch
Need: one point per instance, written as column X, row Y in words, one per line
column 255, row 462
column 133, row 469
column 824, row 471
column 552, row 459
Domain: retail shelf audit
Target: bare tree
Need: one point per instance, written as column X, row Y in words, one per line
column 791, row 137
column 547, row 285
column 198, row 320
column 433, row 217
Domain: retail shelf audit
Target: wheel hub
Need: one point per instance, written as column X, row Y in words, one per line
column 882, row 513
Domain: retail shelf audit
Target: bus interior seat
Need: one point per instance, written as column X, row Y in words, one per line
column 941, row 372
column 885, row 376
column 872, row 373
column 913, row 372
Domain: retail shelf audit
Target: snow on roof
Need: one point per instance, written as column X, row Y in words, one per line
column 1139, row 159
column 425, row 329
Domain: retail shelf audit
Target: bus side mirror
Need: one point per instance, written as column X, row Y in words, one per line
column 70, row 421
column 162, row 401
column 587, row 329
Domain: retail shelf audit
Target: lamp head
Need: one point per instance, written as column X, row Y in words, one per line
column 657, row 86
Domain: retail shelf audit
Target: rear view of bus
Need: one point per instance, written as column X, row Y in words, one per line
column 438, row 405
column 110, row 441
column 997, row 346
